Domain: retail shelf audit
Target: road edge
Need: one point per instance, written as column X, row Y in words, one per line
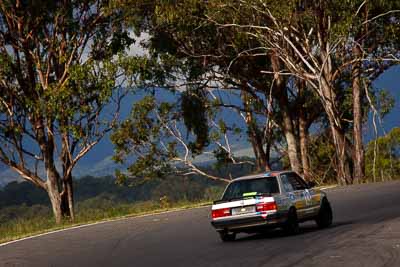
column 126, row 217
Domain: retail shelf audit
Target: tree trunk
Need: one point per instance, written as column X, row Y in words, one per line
column 287, row 127
column 67, row 195
column 292, row 150
column 358, row 155
column 303, row 132
column 54, row 195
column 53, row 177
column 329, row 101
column 304, row 124
column 62, row 203
column 67, row 200
column 256, row 140
column 339, row 139
column 343, row 171
column 261, row 159
column 71, row 199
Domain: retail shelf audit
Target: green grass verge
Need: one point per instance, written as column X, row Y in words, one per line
column 21, row 228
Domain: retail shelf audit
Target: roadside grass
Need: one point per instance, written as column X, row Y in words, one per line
column 25, row 227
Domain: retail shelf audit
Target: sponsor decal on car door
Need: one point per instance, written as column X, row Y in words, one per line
column 302, row 195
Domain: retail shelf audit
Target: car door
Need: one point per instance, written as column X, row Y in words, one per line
column 302, row 196
column 311, row 196
column 288, row 195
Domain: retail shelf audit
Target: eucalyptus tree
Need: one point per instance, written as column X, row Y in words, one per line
column 320, row 42
column 374, row 29
column 273, row 52
column 230, row 59
column 58, row 78
column 196, row 74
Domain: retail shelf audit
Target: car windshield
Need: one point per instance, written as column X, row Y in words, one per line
column 251, row 187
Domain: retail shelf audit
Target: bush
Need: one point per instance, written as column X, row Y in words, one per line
column 23, row 212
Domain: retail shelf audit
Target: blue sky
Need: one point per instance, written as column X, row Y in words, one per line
column 390, row 80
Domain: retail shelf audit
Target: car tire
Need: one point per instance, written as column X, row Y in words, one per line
column 227, row 237
column 325, row 216
column 291, row 226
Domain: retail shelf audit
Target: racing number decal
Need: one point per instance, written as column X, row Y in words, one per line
column 300, row 200
column 307, row 195
column 297, row 199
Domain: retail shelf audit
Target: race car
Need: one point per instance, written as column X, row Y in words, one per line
column 273, row 199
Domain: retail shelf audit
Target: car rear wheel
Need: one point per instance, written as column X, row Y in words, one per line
column 291, row 226
column 324, row 217
column 227, row 237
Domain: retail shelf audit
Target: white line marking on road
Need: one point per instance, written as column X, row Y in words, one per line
column 327, row 187
column 97, row 223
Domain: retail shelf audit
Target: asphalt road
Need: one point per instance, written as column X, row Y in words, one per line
column 366, row 232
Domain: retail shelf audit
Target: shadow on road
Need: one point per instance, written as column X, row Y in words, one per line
column 305, row 229
column 372, row 218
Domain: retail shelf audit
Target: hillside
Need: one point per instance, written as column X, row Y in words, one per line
column 20, row 200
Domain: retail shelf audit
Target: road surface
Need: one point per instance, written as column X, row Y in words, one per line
column 366, row 232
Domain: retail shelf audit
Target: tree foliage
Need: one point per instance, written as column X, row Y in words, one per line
column 383, row 157
column 194, row 115
column 296, row 65
column 59, row 70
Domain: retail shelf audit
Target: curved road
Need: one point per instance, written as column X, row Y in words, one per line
column 366, row 232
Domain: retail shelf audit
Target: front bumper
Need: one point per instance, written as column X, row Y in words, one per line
column 244, row 223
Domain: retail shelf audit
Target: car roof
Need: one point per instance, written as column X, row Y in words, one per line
column 261, row 175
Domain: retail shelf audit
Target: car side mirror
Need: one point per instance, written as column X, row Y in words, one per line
column 311, row 184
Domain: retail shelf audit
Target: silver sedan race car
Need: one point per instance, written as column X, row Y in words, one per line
column 273, row 199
